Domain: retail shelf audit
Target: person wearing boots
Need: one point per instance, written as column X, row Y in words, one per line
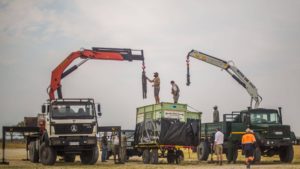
column 248, row 146
column 219, row 140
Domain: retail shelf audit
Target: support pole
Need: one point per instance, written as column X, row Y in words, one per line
column 3, row 162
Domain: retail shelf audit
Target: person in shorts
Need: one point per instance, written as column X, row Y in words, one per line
column 218, row 146
column 248, row 146
column 156, row 86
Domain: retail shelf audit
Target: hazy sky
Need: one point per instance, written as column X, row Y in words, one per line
column 262, row 37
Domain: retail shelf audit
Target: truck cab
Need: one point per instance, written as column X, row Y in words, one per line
column 68, row 128
column 267, row 125
column 70, row 118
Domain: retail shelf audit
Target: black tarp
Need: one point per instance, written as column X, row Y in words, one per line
column 168, row 132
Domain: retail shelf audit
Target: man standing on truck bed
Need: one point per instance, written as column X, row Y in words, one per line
column 219, row 140
column 175, row 91
column 156, row 85
column 248, row 141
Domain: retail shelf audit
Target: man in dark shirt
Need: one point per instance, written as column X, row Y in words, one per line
column 104, row 147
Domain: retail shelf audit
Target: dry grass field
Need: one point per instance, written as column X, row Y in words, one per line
column 16, row 153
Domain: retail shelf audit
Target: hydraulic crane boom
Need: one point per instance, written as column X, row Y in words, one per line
column 117, row 54
column 231, row 69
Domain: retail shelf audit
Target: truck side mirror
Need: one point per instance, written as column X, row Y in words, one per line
column 280, row 114
column 99, row 110
column 43, row 109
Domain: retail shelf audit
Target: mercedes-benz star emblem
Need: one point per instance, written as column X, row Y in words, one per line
column 73, row 128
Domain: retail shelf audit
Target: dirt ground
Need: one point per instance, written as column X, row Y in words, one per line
column 15, row 157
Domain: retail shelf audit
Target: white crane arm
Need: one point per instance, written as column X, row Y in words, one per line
column 232, row 70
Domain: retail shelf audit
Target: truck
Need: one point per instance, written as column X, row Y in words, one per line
column 68, row 126
column 163, row 130
column 273, row 137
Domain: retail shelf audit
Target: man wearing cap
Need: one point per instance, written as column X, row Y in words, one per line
column 248, row 145
column 156, row 86
column 175, row 91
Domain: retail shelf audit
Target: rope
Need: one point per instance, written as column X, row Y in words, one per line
column 144, row 81
column 193, row 108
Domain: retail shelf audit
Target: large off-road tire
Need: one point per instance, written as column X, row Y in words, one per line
column 90, row 157
column 257, row 155
column 154, row 156
column 286, row 154
column 47, row 154
column 171, row 156
column 203, row 151
column 33, row 152
column 69, row 158
column 179, row 156
column 146, row 156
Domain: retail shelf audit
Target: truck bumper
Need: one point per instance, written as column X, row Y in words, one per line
column 73, row 141
column 276, row 142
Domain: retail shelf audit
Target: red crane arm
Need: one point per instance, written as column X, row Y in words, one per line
column 97, row 53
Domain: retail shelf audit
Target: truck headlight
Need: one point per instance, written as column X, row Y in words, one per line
column 91, row 141
column 56, row 142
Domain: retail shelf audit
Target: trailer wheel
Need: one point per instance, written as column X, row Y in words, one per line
column 203, row 151
column 171, row 156
column 90, row 157
column 154, row 156
column 69, row 158
column 286, row 154
column 179, row 156
column 47, row 154
column 146, row 156
column 33, row 152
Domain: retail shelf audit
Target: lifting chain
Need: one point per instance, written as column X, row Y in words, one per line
column 188, row 82
column 144, row 81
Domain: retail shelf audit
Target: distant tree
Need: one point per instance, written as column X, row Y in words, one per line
column 21, row 124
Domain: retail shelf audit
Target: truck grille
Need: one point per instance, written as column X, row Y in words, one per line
column 73, row 128
column 279, row 131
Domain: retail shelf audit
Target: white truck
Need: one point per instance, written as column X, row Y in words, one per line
column 68, row 127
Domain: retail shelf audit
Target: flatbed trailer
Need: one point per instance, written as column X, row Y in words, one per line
column 162, row 130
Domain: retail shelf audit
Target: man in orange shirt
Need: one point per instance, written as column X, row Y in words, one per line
column 248, row 144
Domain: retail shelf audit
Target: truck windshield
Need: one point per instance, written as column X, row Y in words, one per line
column 78, row 111
column 264, row 118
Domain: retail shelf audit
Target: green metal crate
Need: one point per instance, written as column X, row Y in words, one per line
column 166, row 110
